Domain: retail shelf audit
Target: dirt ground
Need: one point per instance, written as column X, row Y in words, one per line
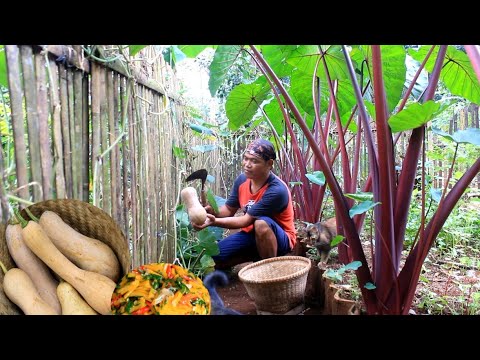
column 445, row 287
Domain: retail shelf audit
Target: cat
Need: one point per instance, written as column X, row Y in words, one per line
column 321, row 235
column 211, row 281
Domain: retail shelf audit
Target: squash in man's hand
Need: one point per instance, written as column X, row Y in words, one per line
column 196, row 212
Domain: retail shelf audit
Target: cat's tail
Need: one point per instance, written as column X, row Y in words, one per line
column 211, row 281
column 214, row 279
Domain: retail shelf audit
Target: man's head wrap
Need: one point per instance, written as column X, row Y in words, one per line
column 261, row 148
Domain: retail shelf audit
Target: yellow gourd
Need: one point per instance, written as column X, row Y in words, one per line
column 20, row 289
column 38, row 272
column 86, row 253
column 72, row 302
column 95, row 288
column 196, row 212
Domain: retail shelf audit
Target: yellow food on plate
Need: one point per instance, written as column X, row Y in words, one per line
column 160, row 289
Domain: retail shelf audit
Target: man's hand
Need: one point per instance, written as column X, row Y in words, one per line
column 208, row 222
column 210, row 210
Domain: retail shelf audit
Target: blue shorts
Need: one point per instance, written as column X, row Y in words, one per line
column 243, row 243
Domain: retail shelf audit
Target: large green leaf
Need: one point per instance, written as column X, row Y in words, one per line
column 459, row 77
column 335, row 60
column 346, row 100
column 243, row 102
column 223, row 60
column 3, row 67
column 305, row 57
column 301, row 88
column 413, row 116
column 274, row 113
column 394, row 73
column 134, row 49
column 393, row 68
column 457, row 72
column 276, row 56
column 192, row 51
column 468, row 136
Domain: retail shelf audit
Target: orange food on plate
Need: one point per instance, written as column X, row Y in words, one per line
column 160, row 289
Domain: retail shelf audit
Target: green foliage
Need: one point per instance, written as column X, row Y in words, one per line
column 243, row 103
column 362, row 207
column 413, row 116
column 317, row 177
column 336, row 275
column 195, row 248
column 3, row 67
column 135, row 49
column 457, row 73
column 223, row 60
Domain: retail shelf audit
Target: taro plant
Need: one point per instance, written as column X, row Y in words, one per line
column 323, row 103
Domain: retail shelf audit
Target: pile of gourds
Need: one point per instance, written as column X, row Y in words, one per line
column 85, row 270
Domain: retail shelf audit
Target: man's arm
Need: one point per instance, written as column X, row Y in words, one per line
column 230, row 222
column 223, row 211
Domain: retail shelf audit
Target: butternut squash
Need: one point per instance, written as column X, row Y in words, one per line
column 20, row 289
column 95, row 288
column 38, row 272
column 196, row 212
column 86, row 253
column 72, row 302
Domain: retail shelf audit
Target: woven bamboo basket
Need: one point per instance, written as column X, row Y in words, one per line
column 85, row 218
column 276, row 285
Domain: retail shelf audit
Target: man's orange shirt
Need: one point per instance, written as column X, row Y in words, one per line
column 273, row 200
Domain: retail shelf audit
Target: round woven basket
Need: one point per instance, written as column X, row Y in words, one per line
column 85, row 218
column 277, row 284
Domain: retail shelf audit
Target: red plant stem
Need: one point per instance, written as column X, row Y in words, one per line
column 433, row 228
column 473, row 52
column 349, row 229
column 385, row 271
column 409, row 166
column 405, row 188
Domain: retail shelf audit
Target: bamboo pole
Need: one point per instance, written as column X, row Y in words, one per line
column 78, row 124
column 28, row 68
column 67, row 151
column 125, row 155
column 4, row 208
column 112, row 137
column 116, row 131
column 57, row 130
column 43, row 127
column 70, row 104
column 153, row 169
column 143, row 157
column 133, row 174
column 105, row 160
column 15, row 87
column 86, row 141
column 96, row 96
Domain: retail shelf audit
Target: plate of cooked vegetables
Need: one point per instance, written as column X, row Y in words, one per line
column 160, row 289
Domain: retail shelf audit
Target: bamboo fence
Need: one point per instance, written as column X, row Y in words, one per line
column 99, row 132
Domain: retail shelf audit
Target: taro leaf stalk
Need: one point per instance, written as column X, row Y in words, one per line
column 394, row 288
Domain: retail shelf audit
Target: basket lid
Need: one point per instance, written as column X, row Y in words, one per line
column 275, row 269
